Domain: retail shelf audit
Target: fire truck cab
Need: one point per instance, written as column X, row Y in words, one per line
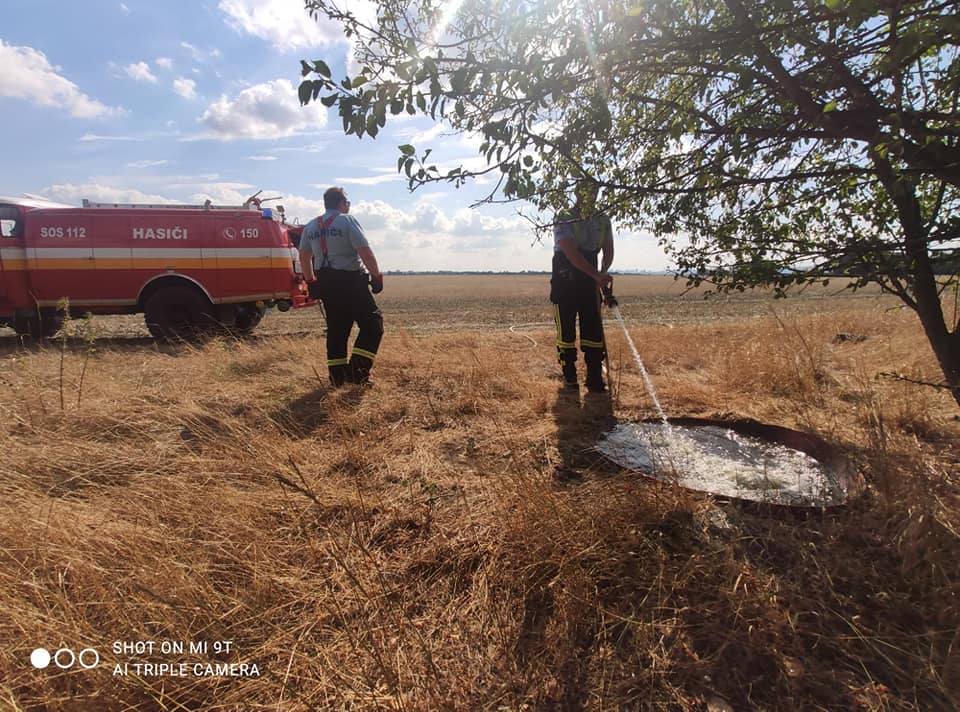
column 187, row 268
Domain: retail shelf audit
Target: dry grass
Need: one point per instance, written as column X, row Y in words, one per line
column 409, row 547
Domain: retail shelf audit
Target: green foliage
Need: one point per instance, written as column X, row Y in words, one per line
column 766, row 142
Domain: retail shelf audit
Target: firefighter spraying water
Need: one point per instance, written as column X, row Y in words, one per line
column 581, row 235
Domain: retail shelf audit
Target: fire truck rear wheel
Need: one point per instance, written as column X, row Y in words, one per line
column 179, row 312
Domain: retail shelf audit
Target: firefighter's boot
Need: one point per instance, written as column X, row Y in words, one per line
column 360, row 369
column 568, row 363
column 339, row 374
column 595, row 382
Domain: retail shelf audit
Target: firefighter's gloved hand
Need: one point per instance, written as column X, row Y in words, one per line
column 376, row 284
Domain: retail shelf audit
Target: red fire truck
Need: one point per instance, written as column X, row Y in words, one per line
column 187, row 268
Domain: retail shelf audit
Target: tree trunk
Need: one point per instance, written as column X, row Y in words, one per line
column 923, row 281
column 946, row 346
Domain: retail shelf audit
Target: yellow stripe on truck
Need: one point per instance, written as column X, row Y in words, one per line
column 161, row 263
column 83, row 263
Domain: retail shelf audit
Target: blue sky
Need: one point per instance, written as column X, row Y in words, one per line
column 184, row 100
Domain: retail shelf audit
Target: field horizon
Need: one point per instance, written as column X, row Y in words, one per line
column 449, row 539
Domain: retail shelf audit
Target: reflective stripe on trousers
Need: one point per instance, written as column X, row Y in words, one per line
column 591, row 331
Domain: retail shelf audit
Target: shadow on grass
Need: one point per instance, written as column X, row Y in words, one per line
column 302, row 416
column 581, row 420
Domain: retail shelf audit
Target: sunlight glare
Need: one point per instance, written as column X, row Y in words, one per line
column 446, row 17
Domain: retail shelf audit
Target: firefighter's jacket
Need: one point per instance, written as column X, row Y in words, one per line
column 567, row 283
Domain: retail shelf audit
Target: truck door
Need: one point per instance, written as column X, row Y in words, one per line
column 59, row 257
column 109, row 232
column 243, row 257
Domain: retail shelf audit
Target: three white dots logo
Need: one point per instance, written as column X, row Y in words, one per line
column 64, row 658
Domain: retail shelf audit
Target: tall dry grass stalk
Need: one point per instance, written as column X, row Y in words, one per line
column 448, row 539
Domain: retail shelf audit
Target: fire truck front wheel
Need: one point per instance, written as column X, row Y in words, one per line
column 179, row 313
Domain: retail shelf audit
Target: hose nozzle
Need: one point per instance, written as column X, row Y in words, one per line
column 608, row 298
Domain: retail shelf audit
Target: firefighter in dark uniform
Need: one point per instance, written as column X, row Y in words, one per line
column 579, row 236
column 332, row 248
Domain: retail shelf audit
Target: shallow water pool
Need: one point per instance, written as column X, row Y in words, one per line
column 722, row 461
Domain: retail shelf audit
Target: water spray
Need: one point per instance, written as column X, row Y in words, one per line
column 614, row 306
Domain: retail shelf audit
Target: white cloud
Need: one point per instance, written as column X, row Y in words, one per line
column 187, row 88
column 164, row 62
column 147, row 163
column 97, row 137
column 428, row 135
column 262, row 158
column 196, row 179
column 401, row 229
column 392, row 177
column 285, row 24
column 28, row 75
column 309, row 148
column 124, row 9
column 100, row 193
column 194, row 52
column 193, row 191
column 141, row 72
column 208, row 183
column 265, row 111
column 222, row 193
column 199, row 55
column 426, row 236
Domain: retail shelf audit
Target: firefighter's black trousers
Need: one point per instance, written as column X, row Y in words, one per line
column 591, row 331
column 347, row 301
column 575, row 295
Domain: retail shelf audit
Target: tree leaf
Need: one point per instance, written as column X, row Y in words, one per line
column 304, row 92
